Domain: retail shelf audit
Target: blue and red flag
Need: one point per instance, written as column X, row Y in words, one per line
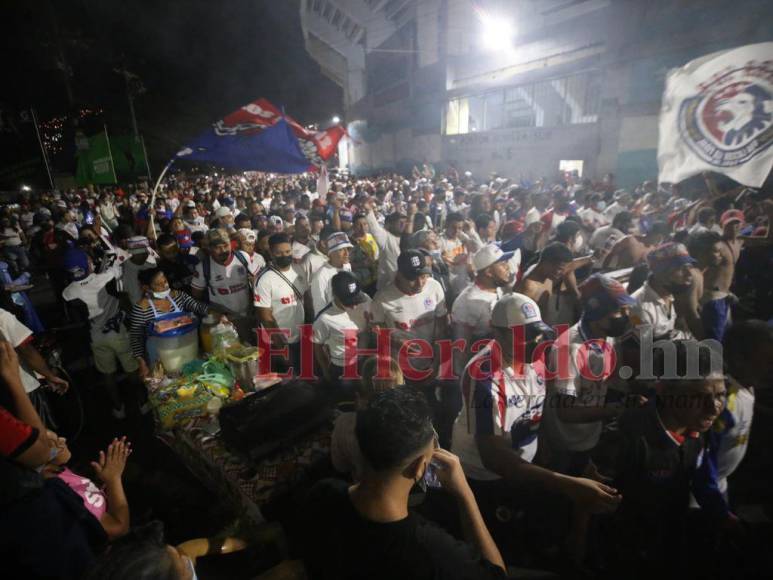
column 258, row 137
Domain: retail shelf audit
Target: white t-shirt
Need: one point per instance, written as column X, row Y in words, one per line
column 508, row 405
column 17, row 334
column 256, row 262
column 414, row 314
column 321, row 289
column 389, row 250
column 578, row 384
column 105, row 314
column 592, row 218
column 228, row 284
column 330, row 326
column 473, row 308
column 734, row 441
column 271, row 291
column 653, row 310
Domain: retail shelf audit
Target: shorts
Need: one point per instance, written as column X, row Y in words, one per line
column 111, row 346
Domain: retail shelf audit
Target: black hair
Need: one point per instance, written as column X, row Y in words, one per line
column 705, row 214
column 393, row 217
column 242, row 218
column 556, row 253
column 454, row 217
column 483, row 220
column 165, row 240
column 278, row 238
column 566, row 230
column 262, row 234
column 359, row 216
column 141, row 553
column 145, row 277
column 701, row 242
column 659, row 228
column 395, row 426
column 621, row 219
column 196, row 237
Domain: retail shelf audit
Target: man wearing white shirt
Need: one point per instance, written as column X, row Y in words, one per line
column 223, row 278
column 338, row 246
column 471, row 312
column 341, row 323
column 454, row 251
column 578, row 394
column 140, row 259
column 388, row 240
column 278, row 298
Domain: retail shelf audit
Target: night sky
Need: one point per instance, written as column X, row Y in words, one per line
column 197, row 59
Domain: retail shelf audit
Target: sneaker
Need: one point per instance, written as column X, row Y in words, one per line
column 120, row 412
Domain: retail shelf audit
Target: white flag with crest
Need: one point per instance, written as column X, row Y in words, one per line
column 717, row 115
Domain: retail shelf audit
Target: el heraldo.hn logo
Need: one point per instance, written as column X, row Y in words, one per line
column 731, row 120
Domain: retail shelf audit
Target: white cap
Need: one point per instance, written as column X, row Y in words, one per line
column 518, row 310
column 488, row 255
column 532, row 217
column 300, row 250
column 248, row 234
column 222, row 211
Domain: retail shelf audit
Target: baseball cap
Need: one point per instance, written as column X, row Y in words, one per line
column 248, row 234
column 218, row 236
column 222, row 211
column 519, row 310
column 412, row 264
column 184, row 239
column 337, row 241
column 731, row 215
column 190, row 203
column 137, row 245
column 76, row 263
column 601, row 295
column 488, row 255
column 300, row 250
column 347, row 289
column 668, row 256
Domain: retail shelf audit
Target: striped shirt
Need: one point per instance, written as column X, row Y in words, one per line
column 140, row 317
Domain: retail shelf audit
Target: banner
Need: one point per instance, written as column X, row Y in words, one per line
column 717, row 115
column 258, row 137
column 128, row 157
column 95, row 163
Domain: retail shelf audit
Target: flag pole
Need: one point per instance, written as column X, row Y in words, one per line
column 42, row 149
column 110, row 152
column 152, row 225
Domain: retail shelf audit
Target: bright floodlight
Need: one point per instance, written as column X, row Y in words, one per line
column 26, row 188
column 497, row 33
column 336, row 119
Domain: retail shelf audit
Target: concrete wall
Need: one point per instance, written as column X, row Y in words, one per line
column 523, row 153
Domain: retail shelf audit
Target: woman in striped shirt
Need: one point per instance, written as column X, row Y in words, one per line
column 157, row 299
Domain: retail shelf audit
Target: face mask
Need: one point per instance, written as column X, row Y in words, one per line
column 283, row 261
column 436, row 254
column 601, row 206
column 162, row 295
column 618, row 326
column 347, row 267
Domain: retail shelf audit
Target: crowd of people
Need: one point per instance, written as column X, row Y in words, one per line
column 543, row 375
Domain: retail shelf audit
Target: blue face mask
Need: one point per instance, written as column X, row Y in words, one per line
column 52, row 453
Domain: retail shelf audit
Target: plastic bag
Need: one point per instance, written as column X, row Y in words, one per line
column 223, row 336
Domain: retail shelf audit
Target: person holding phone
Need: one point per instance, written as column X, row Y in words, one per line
column 366, row 530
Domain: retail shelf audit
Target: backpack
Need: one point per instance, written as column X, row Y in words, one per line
column 206, row 266
column 273, row 418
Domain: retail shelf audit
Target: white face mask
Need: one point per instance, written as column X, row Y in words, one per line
column 162, row 295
